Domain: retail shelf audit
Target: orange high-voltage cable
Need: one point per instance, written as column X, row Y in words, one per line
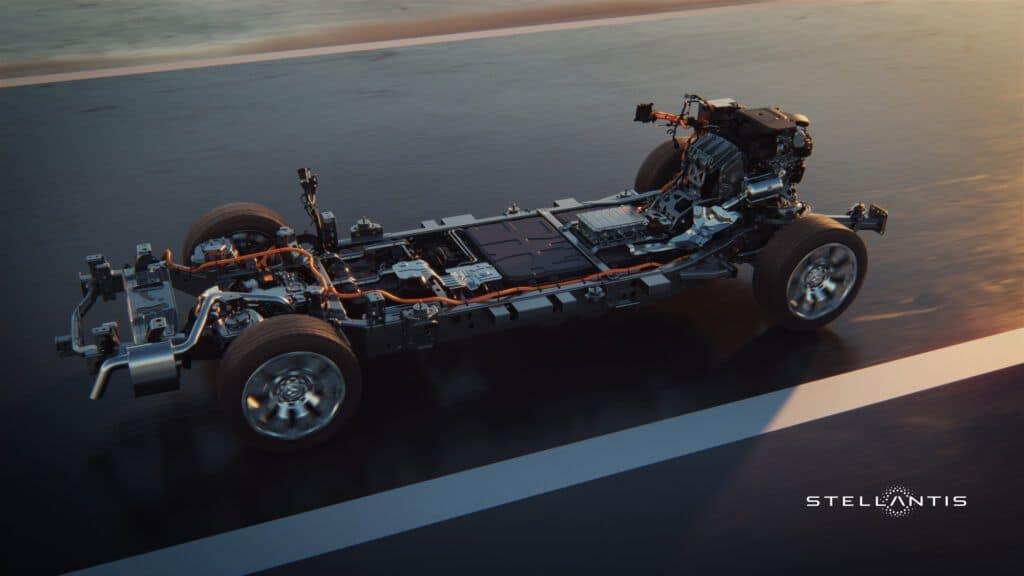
column 329, row 287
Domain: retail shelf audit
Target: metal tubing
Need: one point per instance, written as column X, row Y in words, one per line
column 121, row 360
column 108, row 366
column 76, row 318
column 213, row 296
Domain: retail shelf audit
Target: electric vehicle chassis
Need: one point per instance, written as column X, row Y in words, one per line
column 289, row 313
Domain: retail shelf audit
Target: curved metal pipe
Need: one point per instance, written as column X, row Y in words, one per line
column 76, row 319
column 109, row 365
column 211, row 297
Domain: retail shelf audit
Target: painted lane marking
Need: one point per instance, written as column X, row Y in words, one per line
column 294, row 538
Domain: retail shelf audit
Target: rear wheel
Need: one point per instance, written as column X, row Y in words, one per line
column 660, row 166
column 289, row 383
column 809, row 272
column 250, row 226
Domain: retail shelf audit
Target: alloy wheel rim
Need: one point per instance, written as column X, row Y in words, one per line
column 822, row 281
column 293, row 395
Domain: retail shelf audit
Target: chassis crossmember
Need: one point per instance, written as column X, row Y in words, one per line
column 289, row 313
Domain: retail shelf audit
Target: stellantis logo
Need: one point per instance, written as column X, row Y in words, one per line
column 895, row 501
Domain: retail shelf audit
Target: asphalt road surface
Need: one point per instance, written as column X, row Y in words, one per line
column 917, row 109
column 742, row 507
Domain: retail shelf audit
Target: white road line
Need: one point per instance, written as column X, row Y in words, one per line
column 357, row 521
column 368, row 46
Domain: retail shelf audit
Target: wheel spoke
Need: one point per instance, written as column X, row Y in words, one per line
column 312, row 399
column 820, row 296
column 296, row 362
column 847, row 268
column 256, row 401
column 268, row 413
column 318, row 369
column 283, row 411
column 808, row 301
column 835, row 255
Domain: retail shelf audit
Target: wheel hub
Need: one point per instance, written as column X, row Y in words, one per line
column 817, row 275
column 293, row 389
column 293, row 395
column 822, row 281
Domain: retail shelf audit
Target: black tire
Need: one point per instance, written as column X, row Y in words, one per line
column 257, row 346
column 786, row 249
column 231, row 219
column 660, row 166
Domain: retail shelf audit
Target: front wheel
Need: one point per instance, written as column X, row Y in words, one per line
column 809, row 272
column 289, row 383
